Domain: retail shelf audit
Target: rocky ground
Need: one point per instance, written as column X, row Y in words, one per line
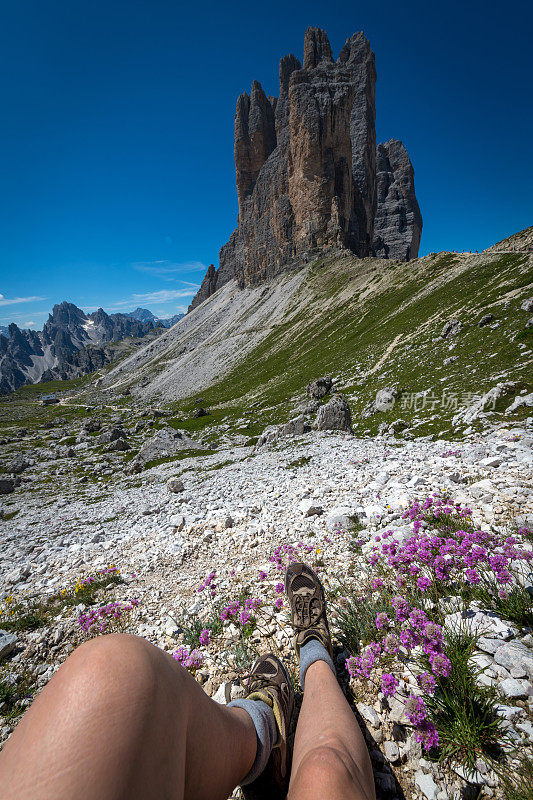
column 78, row 506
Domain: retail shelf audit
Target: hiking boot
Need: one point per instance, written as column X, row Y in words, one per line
column 308, row 607
column 270, row 682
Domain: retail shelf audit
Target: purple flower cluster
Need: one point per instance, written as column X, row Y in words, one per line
column 415, row 710
column 210, row 584
column 191, row 660
column 240, row 612
column 286, row 553
column 410, row 629
column 440, row 665
column 427, row 682
column 425, row 731
column 204, row 637
column 391, row 644
column 91, row 579
column 389, row 684
column 382, row 620
column 427, row 559
column 426, row 735
column 98, row 619
column 363, row 665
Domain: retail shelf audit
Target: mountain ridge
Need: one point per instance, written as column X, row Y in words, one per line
column 69, row 345
column 144, row 315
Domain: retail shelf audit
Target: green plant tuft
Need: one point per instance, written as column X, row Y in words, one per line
column 463, row 711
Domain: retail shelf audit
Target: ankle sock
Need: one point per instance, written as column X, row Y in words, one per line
column 312, row 651
column 266, row 730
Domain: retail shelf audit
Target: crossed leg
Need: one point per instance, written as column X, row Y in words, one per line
column 121, row 719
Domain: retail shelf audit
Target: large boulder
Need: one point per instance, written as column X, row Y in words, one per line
column 19, row 464
column 175, row 485
column 318, row 388
column 118, row 446
column 8, row 642
column 335, row 415
column 166, row 442
column 7, row 485
column 112, row 435
column 92, row 425
column 487, row 402
column 518, row 402
column 340, row 517
column 385, row 399
column 451, row 328
column 270, row 435
column 515, row 655
column 486, row 319
column 294, row 427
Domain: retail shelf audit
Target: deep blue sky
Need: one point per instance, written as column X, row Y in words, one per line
column 116, row 140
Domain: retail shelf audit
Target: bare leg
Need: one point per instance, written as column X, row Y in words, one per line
column 330, row 755
column 121, row 719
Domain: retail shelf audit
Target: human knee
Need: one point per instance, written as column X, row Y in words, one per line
column 112, row 661
column 326, row 765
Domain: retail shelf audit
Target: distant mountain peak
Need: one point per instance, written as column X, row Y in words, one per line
column 142, row 314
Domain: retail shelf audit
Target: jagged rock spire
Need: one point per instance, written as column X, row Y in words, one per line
column 317, row 49
column 398, row 221
column 287, row 66
column 307, row 179
column 357, row 56
column 255, row 138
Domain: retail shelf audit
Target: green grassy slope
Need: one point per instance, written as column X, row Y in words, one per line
column 377, row 323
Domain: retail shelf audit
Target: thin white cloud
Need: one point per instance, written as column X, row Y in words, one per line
column 159, row 297
column 164, row 268
column 170, row 312
column 165, row 295
column 21, row 318
column 9, row 301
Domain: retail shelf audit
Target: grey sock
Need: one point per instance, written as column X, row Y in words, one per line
column 312, row 651
column 266, row 730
